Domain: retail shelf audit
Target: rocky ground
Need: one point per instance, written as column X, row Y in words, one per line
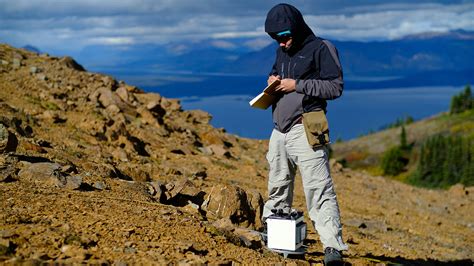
column 93, row 170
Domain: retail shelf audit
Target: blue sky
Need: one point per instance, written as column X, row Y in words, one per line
column 71, row 25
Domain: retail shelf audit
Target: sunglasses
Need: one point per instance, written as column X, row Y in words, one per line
column 281, row 38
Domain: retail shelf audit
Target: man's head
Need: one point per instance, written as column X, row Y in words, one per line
column 284, row 38
column 286, row 25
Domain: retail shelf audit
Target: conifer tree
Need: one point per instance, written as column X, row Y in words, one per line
column 403, row 139
column 462, row 102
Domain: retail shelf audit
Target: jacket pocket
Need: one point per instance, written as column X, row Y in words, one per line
column 317, row 128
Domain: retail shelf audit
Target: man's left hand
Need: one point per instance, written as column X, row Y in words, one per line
column 286, row 86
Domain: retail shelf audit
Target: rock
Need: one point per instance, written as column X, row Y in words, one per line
column 156, row 109
column 123, row 94
column 225, row 201
column 335, row 166
column 69, row 169
column 120, row 154
column 71, row 182
column 149, row 98
column 129, row 250
column 250, row 238
column 109, row 82
column 217, row 150
column 4, row 62
column 75, row 252
column 8, row 141
column 147, row 117
column 69, row 62
column 41, row 171
column 7, row 168
column 105, row 97
column 256, row 203
column 206, row 151
column 16, row 63
column 157, row 190
column 171, row 105
column 101, row 170
column 99, row 185
column 200, row 175
column 153, row 104
column 93, row 127
column 191, row 207
column 6, row 234
column 6, row 247
column 174, row 188
column 199, row 117
column 50, row 173
column 224, row 223
column 53, row 116
column 33, row 147
column 117, row 130
column 34, row 70
column 42, row 77
column 112, row 110
column 131, row 89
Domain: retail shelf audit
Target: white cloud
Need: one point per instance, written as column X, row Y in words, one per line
column 258, row 43
column 394, row 24
column 112, row 40
column 71, row 25
column 223, row 44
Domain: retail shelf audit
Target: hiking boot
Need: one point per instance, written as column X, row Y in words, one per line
column 332, row 257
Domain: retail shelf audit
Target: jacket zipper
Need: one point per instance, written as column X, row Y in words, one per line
column 282, row 70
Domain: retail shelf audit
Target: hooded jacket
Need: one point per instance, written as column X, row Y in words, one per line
column 312, row 61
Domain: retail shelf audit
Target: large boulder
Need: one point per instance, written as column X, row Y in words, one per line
column 41, row 171
column 51, row 173
column 241, row 207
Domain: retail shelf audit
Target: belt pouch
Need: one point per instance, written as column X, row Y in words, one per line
column 316, row 128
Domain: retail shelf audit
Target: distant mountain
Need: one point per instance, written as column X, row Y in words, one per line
column 31, row 48
column 177, row 57
column 398, row 58
column 455, row 34
column 416, row 60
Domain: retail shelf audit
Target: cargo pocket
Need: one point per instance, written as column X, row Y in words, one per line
column 317, row 128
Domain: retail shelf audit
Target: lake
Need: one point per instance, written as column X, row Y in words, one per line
column 355, row 113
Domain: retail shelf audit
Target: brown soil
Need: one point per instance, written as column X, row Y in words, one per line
column 111, row 141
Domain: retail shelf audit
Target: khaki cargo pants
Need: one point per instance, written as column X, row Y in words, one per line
column 285, row 153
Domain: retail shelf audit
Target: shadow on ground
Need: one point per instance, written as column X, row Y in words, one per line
column 416, row 262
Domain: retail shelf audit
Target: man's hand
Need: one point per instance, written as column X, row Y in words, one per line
column 286, row 86
column 272, row 78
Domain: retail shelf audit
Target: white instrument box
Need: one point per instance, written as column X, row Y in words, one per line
column 286, row 232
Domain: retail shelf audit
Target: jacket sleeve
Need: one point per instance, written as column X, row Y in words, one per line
column 330, row 84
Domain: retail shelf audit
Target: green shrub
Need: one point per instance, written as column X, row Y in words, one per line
column 445, row 161
column 393, row 161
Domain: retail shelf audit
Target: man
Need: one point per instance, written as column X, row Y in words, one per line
column 310, row 74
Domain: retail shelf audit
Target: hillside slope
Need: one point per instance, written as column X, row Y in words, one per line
column 96, row 171
column 366, row 151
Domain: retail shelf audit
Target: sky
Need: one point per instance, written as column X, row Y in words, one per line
column 67, row 25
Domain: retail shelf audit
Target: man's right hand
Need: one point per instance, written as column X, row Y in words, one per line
column 272, row 78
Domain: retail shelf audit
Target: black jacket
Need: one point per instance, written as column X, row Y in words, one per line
column 312, row 61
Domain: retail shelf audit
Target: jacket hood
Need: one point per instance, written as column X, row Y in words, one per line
column 286, row 17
